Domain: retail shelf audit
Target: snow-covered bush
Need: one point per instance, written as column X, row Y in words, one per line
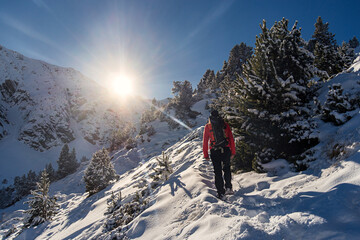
column 100, row 172
column 42, row 207
column 147, row 129
column 121, row 214
column 163, row 171
column 114, row 202
column 337, row 106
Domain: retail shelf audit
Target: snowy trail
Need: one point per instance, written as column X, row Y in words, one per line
column 292, row 206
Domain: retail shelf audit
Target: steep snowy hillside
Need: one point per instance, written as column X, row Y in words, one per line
column 317, row 204
column 43, row 106
column 322, row 202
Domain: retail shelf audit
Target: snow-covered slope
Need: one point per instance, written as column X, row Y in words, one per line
column 43, row 106
column 317, row 204
column 322, row 202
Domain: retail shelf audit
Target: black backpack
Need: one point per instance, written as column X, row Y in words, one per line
column 218, row 129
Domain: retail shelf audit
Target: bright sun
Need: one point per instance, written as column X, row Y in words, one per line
column 122, row 85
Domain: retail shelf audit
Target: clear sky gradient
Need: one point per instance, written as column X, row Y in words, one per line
column 156, row 41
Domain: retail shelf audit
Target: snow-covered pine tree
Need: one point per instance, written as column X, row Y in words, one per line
column 42, row 207
column 206, row 81
column 125, row 213
column 100, row 172
column 336, row 106
column 114, row 202
column 268, row 107
column 165, row 168
column 324, row 47
column 183, row 99
column 217, row 80
column 163, row 171
column 347, row 54
column 238, row 56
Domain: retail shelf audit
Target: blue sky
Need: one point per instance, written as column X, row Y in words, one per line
column 155, row 41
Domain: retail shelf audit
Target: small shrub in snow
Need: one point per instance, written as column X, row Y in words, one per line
column 337, row 106
column 123, row 214
column 84, row 159
column 11, row 231
column 336, row 151
column 42, row 206
column 114, row 202
column 163, row 171
column 100, row 172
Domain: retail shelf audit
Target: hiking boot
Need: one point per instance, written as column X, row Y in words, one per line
column 229, row 191
column 220, row 196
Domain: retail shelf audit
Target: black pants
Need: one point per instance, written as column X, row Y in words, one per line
column 221, row 162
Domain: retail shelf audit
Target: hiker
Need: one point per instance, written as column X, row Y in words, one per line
column 222, row 149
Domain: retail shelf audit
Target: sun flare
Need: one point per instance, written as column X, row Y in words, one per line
column 121, row 85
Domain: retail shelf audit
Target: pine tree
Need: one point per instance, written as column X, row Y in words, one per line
column 100, row 172
column 62, row 161
column 31, row 181
column 238, row 56
column 20, row 186
column 163, row 170
column 183, row 99
column 336, row 106
column 324, row 47
column 347, row 54
column 42, row 207
column 73, row 163
column 206, row 81
column 354, row 42
column 114, row 202
column 51, row 172
column 67, row 163
column 267, row 108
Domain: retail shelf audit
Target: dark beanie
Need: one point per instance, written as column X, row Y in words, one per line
column 214, row 113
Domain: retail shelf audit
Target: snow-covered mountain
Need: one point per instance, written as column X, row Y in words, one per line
column 43, row 106
column 322, row 202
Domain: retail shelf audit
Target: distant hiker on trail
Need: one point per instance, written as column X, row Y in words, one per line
column 222, row 149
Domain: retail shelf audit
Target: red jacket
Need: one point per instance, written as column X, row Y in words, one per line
column 208, row 135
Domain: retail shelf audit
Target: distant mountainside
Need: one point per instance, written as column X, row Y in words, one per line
column 43, row 106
